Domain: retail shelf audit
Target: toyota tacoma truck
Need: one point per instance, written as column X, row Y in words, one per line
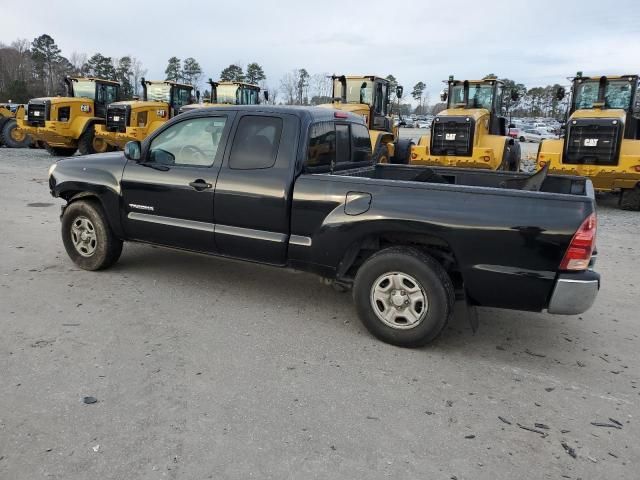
column 296, row 187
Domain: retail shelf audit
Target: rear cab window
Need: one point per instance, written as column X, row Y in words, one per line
column 256, row 143
column 337, row 146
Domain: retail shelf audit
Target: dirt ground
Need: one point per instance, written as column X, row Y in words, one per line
column 213, row 369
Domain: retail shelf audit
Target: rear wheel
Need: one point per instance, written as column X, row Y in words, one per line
column 88, row 143
column 12, row 136
column 381, row 155
column 3, row 120
column 59, row 151
column 402, row 151
column 403, row 296
column 514, row 158
column 630, row 198
column 87, row 236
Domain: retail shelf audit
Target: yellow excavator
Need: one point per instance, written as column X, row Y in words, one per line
column 66, row 124
column 137, row 119
column 471, row 132
column 369, row 96
column 229, row 93
column 602, row 136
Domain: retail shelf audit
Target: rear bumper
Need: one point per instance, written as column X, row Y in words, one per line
column 574, row 293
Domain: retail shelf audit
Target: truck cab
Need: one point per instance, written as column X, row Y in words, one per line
column 66, row 123
column 136, row 119
column 602, row 136
column 471, row 132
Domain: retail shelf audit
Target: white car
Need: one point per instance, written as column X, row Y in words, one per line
column 534, row 135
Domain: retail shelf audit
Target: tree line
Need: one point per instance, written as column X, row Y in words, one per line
column 36, row 68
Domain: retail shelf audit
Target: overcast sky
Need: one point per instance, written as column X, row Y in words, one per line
column 533, row 42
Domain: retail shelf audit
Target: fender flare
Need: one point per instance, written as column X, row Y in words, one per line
column 91, row 122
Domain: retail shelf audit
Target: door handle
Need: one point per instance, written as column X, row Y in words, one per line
column 200, row 185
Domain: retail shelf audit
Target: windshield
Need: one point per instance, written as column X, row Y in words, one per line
column 359, row 90
column 228, row 94
column 586, row 94
column 480, row 96
column 618, row 94
column 249, row 96
column 84, row 89
column 158, row 92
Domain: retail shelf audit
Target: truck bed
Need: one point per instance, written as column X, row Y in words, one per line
column 568, row 185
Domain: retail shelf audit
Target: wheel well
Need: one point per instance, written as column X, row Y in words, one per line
column 434, row 246
column 73, row 196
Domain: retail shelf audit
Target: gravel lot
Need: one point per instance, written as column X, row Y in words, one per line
column 209, row 368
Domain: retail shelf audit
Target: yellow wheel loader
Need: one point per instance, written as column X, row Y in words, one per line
column 66, row 124
column 136, row 119
column 471, row 132
column 229, row 93
column 10, row 135
column 369, row 96
column 602, row 136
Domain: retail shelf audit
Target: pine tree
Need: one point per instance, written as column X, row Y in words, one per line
column 191, row 72
column 173, row 72
column 255, row 73
column 233, row 73
column 45, row 55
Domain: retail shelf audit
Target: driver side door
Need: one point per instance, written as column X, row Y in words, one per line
column 169, row 196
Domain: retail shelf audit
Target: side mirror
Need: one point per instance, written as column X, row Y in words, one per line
column 512, row 125
column 443, row 96
column 133, row 151
column 560, row 92
column 266, row 95
column 399, row 91
column 515, row 96
column 563, row 126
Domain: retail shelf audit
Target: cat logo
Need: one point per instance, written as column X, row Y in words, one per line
column 450, row 136
column 590, row 142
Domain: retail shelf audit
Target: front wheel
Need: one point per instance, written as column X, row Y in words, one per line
column 12, row 136
column 522, row 139
column 88, row 143
column 87, row 236
column 381, row 155
column 402, row 151
column 403, row 296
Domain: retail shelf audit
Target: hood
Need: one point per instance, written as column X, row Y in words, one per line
column 65, row 100
column 617, row 113
column 475, row 113
column 141, row 104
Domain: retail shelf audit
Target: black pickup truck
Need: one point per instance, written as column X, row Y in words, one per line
column 296, row 187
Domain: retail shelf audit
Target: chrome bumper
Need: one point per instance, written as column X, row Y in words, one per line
column 574, row 293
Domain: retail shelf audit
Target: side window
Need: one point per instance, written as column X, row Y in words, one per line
column 343, row 145
column 192, row 142
column 361, row 143
column 256, row 143
column 180, row 97
column 321, row 152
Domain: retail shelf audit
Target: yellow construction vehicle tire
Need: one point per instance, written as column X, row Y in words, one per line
column 381, row 155
column 12, row 137
column 60, row 151
column 630, row 198
column 402, row 151
column 88, row 143
column 3, row 120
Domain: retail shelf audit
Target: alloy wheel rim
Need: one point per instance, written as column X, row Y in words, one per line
column 398, row 300
column 83, row 236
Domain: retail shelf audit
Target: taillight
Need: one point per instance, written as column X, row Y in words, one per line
column 578, row 255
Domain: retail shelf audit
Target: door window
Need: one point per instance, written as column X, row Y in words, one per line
column 192, row 142
column 256, row 143
column 181, row 97
column 321, row 152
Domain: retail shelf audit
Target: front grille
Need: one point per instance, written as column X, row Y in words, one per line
column 593, row 141
column 38, row 113
column 452, row 136
column 118, row 118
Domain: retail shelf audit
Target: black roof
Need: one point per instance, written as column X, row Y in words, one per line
column 310, row 114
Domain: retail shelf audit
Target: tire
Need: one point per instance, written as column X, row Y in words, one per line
column 59, row 151
column 3, row 120
column 88, row 143
column 515, row 158
column 523, row 140
column 416, row 274
column 87, row 236
column 630, row 198
column 381, row 155
column 11, row 137
column 402, row 152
